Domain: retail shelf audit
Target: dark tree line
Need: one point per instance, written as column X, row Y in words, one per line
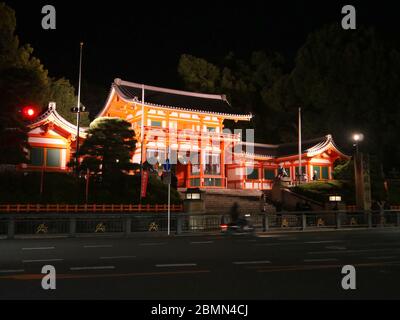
column 25, row 81
column 344, row 81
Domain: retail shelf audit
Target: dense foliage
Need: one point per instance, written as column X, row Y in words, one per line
column 345, row 81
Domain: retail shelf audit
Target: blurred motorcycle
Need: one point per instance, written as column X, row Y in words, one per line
column 242, row 225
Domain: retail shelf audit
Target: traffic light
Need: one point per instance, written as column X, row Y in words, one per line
column 29, row 112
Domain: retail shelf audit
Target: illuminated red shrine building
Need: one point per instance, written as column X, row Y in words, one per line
column 188, row 129
column 52, row 140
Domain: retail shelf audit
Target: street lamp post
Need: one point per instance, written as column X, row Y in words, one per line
column 78, row 110
column 358, row 171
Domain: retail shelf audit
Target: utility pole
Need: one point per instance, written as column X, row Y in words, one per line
column 300, row 169
column 141, row 146
column 78, row 110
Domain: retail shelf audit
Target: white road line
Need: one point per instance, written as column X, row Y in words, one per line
column 98, row 246
column 39, row 248
column 201, row 242
column 336, row 248
column 92, row 268
column 152, row 244
column 353, row 251
column 12, row 271
column 382, row 258
column 251, row 262
column 118, row 257
column 176, row 265
column 320, row 260
column 327, row 241
column 43, row 260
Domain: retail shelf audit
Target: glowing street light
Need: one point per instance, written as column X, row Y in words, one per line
column 357, row 137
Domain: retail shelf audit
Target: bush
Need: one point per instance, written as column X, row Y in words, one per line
column 64, row 188
column 321, row 190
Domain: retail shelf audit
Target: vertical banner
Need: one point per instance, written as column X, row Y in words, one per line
column 145, row 180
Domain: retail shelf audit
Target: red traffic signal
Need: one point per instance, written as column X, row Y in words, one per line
column 29, row 112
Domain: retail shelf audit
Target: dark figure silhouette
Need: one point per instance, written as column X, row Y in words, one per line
column 234, row 212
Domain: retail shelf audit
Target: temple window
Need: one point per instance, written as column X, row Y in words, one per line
column 53, row 158
column 213, row 182
column 303, row 170
column 37, row 156
column 325, row 172
column 156, row 123
column 321, row 172
column 252, row 173
column 212, row 164
column 269, row 174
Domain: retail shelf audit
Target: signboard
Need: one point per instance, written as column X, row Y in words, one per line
column 167, row 166
column 144, row 181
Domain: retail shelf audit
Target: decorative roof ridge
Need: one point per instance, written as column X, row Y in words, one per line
column 120, row 82
column 115, row 87
column 256, row 144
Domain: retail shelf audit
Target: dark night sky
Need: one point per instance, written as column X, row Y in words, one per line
column 143, row 42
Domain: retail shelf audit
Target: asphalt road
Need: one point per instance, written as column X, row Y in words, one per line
column 267, row 266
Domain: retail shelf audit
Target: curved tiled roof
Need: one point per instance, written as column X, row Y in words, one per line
column 310, row 147
column 52, row 115
column 177, row 99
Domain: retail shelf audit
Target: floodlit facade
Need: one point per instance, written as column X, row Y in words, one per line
column 186, row 128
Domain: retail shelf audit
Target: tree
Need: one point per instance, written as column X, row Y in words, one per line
column 348, row 81
column 243, row 81
column 63, row 93
column 108, row 148
column 24, row 81
column 344, row 81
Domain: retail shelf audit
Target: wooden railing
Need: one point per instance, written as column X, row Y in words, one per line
column 95, row 208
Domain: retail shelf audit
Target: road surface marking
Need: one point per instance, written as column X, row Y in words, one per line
column 268, row 236
column 353, row 251
column 99, row 246
column 269, row 244
column 319, row 260
column 92, row 268
column 382, row 258
column 39, row 248
column 152, row 244
column 176, row 265
column 43, row 260
column 201, row 242
column 251, row 262
column 325, row 266
column 118, row 257
column 336, row 248
column 12, row 271
column 28, row 277
column 326, row 241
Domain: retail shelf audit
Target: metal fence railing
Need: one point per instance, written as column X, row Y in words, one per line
column 90, row 208
column 75, row 224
